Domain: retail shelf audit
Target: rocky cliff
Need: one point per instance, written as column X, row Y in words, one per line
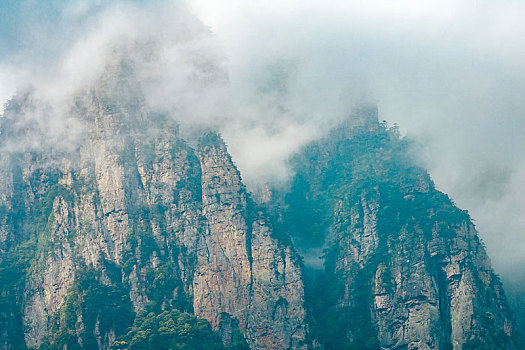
column 405, row 266
column 135, row 237
column 130, row 219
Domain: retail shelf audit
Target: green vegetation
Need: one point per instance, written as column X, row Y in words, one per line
column 342, row 327
column 488, row 331
column 168, row 330
column 335, row 177
column 173, row 330
column 13, row 271
column 164, row 286
column 90, row 308
column 32, row 223
column 365, row 165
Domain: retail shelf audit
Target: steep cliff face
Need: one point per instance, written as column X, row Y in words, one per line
column 406, row 267
column 128, row 236
column 132, row 218
column 243, row 272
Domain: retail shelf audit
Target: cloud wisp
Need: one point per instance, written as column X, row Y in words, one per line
column 452, row 74
column 273, row 75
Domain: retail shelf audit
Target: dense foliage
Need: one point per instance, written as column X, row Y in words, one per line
column 169, row 330
column 90, row 308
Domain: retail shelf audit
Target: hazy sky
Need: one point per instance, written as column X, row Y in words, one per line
column 451, row 73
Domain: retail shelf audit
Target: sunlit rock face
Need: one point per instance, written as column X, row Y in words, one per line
column 135, row 212
column 119, row 222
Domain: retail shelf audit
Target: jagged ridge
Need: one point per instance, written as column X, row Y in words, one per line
column 135, row 226
column 155, row 223
column 405, row 267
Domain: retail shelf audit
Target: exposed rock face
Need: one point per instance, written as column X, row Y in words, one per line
column 132, row 219
column 134, row 211
column 6, row 193
column 401, row 255
column 242, row 271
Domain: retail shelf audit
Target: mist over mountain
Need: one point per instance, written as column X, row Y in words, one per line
column 450, row 74
column 106, row 98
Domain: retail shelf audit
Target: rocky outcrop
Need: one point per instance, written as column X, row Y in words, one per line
column 400, row 254
column 244, row 274
column 132, row 225
column 133, row 209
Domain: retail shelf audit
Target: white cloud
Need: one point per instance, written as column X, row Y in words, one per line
column 451, row 73
column 7, row 86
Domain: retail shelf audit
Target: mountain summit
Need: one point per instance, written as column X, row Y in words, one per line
column 136, row 237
